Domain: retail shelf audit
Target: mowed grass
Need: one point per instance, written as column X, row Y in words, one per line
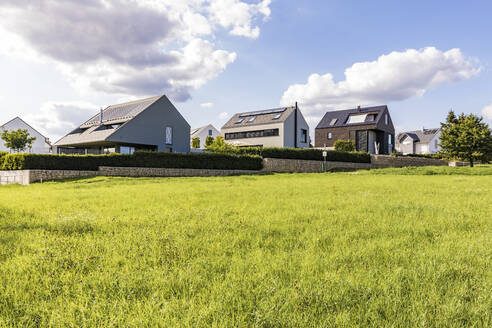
column 300, row 250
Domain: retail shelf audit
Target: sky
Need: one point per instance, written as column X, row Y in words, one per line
column 62, row 60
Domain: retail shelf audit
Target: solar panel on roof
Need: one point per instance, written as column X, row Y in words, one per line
column 264, row 112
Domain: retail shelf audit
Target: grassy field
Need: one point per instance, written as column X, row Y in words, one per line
column 394, row 248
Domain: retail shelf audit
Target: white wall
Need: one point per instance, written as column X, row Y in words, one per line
column 40, row 146
column 204, row 134
column 274, row 141
column 432, row 144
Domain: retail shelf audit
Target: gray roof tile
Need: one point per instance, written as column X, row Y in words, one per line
column 262, row 117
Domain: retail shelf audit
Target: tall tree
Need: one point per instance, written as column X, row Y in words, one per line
column 17, row 140
column 466, row 137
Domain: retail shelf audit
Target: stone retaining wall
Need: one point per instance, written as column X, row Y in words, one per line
column 165, row 172
column 25, row 177
column 383, row 161
column 306, row 166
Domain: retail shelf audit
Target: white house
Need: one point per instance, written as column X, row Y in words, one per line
column 202, row 133
column 40, row 146
column 278, row 127
column 425, row 141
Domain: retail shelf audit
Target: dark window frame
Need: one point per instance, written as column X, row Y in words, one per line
column 252, row 134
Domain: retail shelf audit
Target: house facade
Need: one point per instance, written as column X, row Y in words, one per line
column 202, row 133
column 425, row 141
column 147, row 124
column 278, row 127
column 371, row 129
column 40, row 146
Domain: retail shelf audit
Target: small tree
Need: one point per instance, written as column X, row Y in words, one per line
column 220, row 146
column 209, row 140
column 195, row 142
column 17, row 140
column 344, row 145
column 466, row 137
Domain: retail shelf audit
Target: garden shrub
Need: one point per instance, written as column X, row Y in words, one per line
column 344, row 145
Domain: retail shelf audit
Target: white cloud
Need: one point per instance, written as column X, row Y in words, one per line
column 223, row 115
column 129, row 47
column 487, row 112
column 55, row 119
column 207, row 105
column 392, row 77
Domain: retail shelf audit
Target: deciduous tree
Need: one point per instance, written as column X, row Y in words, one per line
column 17, row 140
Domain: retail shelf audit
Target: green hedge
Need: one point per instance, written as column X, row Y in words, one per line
column 303, row 153
column 433, row 156
column 139, row 159
column 316, row 155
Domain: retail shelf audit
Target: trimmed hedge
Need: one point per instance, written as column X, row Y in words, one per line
column 139, row 159
column 316, row 155
column 304, row 153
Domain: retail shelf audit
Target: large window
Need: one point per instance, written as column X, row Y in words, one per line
column 169, row 135
column 127, row 150
column 252, row 134
column 303, row 136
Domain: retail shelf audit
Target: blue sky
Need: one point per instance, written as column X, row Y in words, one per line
column 214, row 57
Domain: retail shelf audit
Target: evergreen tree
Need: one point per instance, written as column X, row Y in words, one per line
column 466, row 137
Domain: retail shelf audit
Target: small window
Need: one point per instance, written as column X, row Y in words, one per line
column 333, row 121
column 386, row 119
column 251, row 119
column 276, row 117
column 303, row 135
column 169, row 135
column 390, row 139
column 240, row 120
column 209, row 132
column 436, row 143
column 329, row 135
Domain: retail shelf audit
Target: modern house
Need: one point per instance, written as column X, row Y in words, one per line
column 203, row 132
column 147, row 124
column 425, row 141
column 370, row 128
column 279, row 127
column 40, row 146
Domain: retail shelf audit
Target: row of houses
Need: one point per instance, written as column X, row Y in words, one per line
column 155, row 124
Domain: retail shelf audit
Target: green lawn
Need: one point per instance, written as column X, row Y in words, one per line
column 300, row 250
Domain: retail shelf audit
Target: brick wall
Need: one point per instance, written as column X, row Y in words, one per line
column 382, row 161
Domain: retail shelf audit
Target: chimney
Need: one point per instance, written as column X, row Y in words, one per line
column 358, row 108
column 423, row 128
column 101, row 117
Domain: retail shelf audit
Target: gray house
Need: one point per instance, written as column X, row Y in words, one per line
column 40, row 146
column 278, row 127
column 425, row 141
column 147, row 124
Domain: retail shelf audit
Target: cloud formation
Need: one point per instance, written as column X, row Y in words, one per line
column 392, row 77
column 207, row 105
column 129, row 47
column 55, row 119
column 487, row 112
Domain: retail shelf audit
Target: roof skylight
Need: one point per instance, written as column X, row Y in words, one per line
column 276, row 117
column 240, row 120
column 251, row 119
column 357, row 118
column 333, row 121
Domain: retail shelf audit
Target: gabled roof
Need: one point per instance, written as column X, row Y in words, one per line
column 113, row 116
column 425, row 135
column 20, row 119
column 340, row 117
column 267, row 116
column 200, row 129
column 121, row 113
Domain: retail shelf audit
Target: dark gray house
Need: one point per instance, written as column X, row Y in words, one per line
column 370, row 128
column 147, row 124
